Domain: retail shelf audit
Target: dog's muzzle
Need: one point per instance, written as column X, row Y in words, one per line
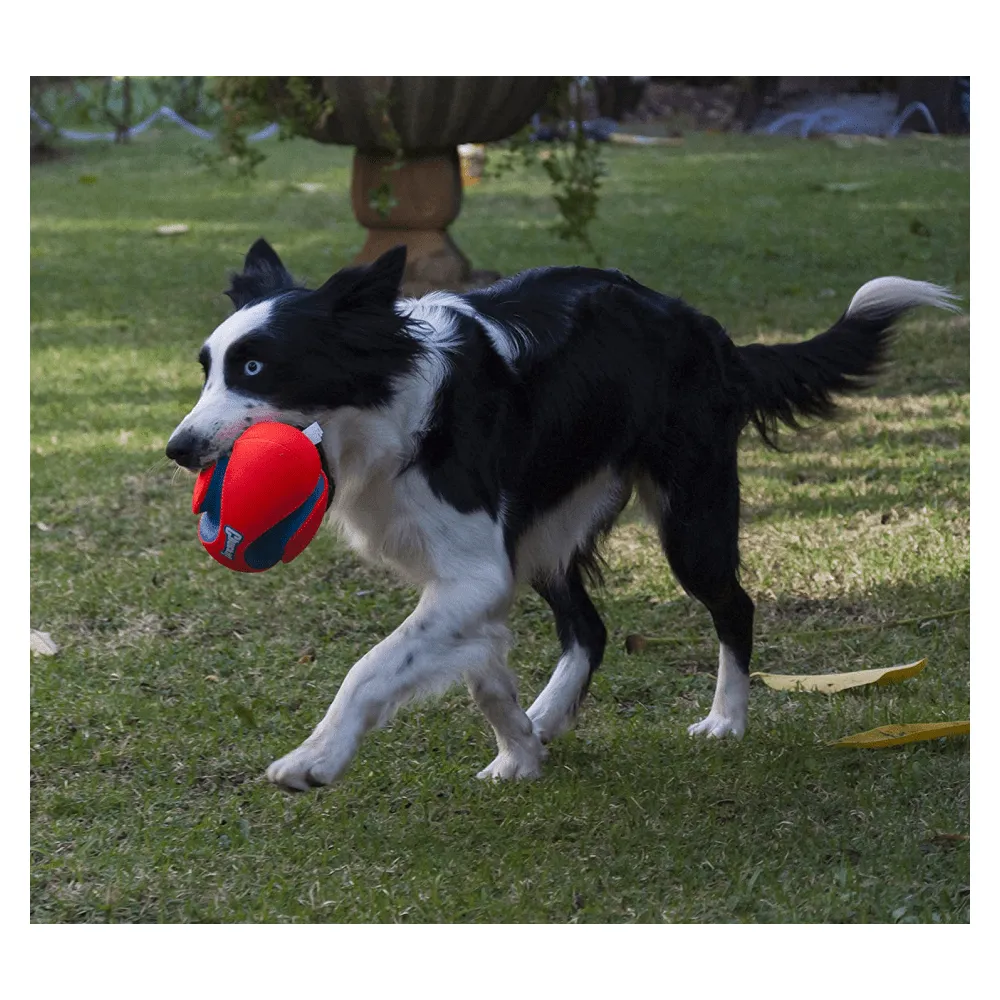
column 187, row 449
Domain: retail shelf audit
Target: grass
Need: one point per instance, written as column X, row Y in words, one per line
column 177, row 683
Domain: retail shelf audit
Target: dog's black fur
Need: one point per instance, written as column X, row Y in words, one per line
column 547, row 380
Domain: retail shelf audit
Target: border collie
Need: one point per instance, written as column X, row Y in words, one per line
column 477, row 442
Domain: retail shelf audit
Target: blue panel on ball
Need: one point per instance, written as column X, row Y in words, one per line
column 211, row 506
column 269, row 548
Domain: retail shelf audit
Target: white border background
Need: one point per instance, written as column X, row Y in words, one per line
column 434, row 38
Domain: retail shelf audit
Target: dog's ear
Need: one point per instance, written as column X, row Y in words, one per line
column 262, row 257
column 376, row 284
column 263, row 275
column 386, row 274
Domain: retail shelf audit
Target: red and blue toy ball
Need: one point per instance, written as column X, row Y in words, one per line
column 264, row 502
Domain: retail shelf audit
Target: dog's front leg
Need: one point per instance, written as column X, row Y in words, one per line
column 456, row 632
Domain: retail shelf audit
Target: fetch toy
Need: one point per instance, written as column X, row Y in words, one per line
column 264, row 502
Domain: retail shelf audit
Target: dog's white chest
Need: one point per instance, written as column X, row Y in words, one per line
column 378, row 525
column 398, row 520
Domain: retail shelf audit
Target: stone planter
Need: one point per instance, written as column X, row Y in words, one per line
column 426, row 118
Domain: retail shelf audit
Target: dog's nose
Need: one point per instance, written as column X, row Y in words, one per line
column 185, row 449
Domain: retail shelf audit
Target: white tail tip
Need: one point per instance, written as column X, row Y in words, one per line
column 890, row 296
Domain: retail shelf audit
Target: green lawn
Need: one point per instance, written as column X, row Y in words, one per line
column 177, row 682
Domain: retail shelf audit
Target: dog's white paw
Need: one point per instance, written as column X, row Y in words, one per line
column 515, row 763
column 304, row 768
column 547, row 729
column 716, row 725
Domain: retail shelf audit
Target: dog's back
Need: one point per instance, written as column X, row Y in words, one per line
column 482, row 440
column 563, row 377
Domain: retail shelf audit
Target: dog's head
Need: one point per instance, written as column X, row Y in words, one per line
column 294, row 355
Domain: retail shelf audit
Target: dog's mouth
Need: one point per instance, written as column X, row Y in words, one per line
column 192, row 452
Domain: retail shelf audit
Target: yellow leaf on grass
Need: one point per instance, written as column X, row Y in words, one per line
column 831, row 683
column 894, row 736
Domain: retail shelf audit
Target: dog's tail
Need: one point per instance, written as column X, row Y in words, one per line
column 788, row 381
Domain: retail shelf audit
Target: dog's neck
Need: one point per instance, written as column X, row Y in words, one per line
column 360, row 444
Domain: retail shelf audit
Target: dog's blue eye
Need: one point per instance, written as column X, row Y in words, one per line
column 252, row 368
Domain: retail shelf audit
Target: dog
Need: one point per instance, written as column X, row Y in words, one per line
column 482, row 441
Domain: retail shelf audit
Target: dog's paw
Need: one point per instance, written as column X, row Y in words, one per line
column 515, row 763
column 547, row 730
column 550, row 717
column 716, row 725
column 302, row 769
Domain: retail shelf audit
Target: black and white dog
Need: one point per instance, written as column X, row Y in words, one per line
column 480, row 441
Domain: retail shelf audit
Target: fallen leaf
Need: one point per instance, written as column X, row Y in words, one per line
column 174, row 229
column 635, row 644
column 894, row 736
column 832, row 683
column 948, row 838
column 41, row 642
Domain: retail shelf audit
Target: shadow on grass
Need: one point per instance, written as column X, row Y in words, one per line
column 631, row 819
column 792, row 617
column 933, row 475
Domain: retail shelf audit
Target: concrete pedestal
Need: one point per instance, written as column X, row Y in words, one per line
column 427, row 189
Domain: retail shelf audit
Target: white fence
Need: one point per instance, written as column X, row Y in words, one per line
column 168, row 113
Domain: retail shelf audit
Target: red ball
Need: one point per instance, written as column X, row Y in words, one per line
column 264, row 502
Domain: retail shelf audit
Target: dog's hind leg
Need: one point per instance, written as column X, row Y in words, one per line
column 732, row 613
column 698, row 518
column 583, row 636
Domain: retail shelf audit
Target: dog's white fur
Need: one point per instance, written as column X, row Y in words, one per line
column 457, row 630
column 221, row 415
column 728, row 714
column 384, row 507
column 886, row 295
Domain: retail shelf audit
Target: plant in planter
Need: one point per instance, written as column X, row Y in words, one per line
column 406, row 183
column 574, row 166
